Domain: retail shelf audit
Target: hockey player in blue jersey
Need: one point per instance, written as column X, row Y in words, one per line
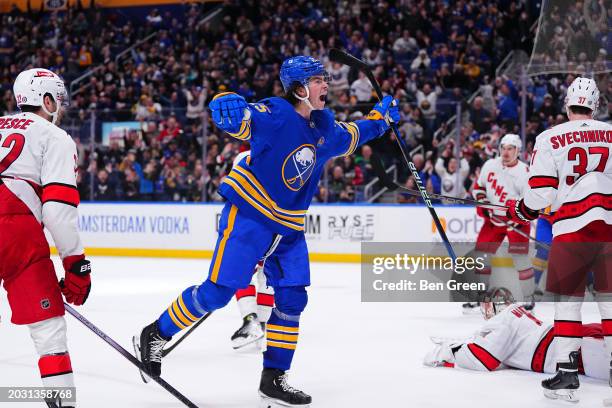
column 268, row 194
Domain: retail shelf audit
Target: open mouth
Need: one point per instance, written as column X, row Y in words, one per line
column 323, row 98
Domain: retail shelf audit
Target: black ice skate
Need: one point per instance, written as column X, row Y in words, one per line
column 57, row 403
column 564, row 385
column 275, row 391
column 148, row 347
column 250, row 332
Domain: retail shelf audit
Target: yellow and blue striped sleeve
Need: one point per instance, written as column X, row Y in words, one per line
column 350, row 135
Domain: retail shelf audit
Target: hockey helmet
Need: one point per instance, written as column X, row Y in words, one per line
column 495, row 301
column 300, row 69
column 583, row 92
column 32, row 85
column 512, row 140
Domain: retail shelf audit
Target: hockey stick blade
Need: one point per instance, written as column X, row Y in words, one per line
column 345, row 58
column 167, row 351
column 127, row 355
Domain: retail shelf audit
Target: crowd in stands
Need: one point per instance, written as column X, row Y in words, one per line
column 430, row 55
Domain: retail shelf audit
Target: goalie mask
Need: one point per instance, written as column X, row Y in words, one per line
column 583, row 92
column 32, row 85
column 495, row 301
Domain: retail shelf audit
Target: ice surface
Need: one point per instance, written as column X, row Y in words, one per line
column 350, row 354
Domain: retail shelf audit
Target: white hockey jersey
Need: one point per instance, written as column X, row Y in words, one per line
column 515, row 338
column 38, row 165
column 571, row 170
column 498, row 183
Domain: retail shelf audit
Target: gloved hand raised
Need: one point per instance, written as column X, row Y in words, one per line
column 387, row 108
column 229, row 111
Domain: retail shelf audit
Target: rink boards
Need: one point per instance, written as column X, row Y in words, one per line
column 334, row 232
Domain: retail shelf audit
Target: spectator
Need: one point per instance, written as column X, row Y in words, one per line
column 479, row 116
column 104, row 190
column 452, row 173
column 507, row 105
column 422, row 61
column 361, row 88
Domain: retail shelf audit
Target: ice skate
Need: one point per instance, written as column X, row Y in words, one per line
column 275, row 392
column 148, row 347
column 564, row 385
column 250, row 331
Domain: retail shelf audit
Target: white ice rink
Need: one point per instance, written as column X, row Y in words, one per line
column 350, row 354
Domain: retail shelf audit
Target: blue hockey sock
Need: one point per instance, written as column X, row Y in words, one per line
column 281, row 338
column 182, row 313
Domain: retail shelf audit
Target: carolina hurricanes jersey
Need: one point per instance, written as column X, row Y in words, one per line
column 38, row 165
column 515, row 338
column 499, row 183
column 571, row 170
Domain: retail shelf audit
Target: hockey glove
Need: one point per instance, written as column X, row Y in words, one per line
column 443, row 354
column 518, row 212
column 77, row 280
column 230, row 112
column 387, row 109
column 482, row 211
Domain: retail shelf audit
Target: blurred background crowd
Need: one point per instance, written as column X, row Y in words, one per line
column 156, row 71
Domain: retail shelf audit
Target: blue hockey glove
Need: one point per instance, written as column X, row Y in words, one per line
column 229, row 110
column 387, row 108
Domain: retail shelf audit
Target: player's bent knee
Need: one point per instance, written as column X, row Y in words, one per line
column 291, row 300
column 49, row 336
column 210, row 296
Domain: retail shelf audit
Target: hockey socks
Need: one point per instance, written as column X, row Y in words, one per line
column 182, row 313
column 281, row 339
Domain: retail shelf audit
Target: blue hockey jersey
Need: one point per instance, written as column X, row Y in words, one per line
column 276, row 183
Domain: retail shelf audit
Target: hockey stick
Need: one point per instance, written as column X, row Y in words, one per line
column 349, row 60
column 167, row 351
column 128, row 356
column 386, row 181
column 518, row 231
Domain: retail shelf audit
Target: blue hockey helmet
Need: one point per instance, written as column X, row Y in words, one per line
column 300, row 69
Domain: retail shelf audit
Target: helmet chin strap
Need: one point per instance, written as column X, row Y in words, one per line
column 54, row 114
column 305, row 99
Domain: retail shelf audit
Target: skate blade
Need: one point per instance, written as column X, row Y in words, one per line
column 238, row 344
column 136, row 343
column 565, row 395
column 267, row 402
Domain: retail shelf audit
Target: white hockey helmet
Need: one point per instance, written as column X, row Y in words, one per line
column 583, row 92
column 495, row 301
column 512, row 140
column 33, row 84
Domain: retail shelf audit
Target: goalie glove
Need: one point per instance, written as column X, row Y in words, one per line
column 77, row 280
column 518, row 212
column 231, row 113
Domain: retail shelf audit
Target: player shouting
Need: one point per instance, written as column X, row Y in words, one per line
column 268, row 194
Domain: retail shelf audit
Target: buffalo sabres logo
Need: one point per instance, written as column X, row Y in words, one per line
column 298, row 166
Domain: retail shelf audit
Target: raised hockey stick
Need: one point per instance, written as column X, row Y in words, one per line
column 127, row 355
column 518, row 231
column 349, row 60
column 167, row 351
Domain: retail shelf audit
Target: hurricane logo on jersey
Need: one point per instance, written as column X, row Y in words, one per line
column 298, row 166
